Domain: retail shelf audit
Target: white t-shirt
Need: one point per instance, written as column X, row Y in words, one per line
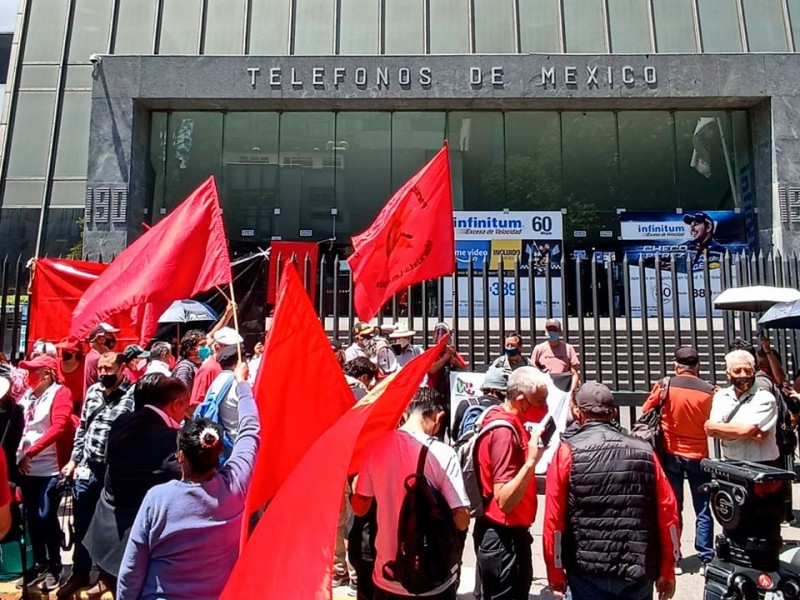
column 758, row 408
column 388, row 460
column 37, row 422
column 353, row 351
column 229, row 406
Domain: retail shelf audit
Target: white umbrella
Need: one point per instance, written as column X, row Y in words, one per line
column 756, row 298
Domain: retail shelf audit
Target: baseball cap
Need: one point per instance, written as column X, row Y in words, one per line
column 362, row 329
column 227, row 336
column 102, row 328
column 552, row 323
column 687, row 355
column 335, row 344
column 43, row 361
column 495, row 379
column 227, row 355
column 133, row 351
column 593, row 397
column 698, row 217
column 70, row 343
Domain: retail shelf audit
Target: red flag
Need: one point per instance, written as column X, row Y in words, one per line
column 303, row 252
column 182, row 255
column 294, row 410
column 409, row 242
column 290, row 554
column 56, row 287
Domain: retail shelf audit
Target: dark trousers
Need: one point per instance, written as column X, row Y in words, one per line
column 87, row 494
column 448, row 594
column 41, row 517
column 505, row 560
column 607, row 588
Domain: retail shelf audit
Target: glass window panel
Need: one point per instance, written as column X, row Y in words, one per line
column 159, row 122
column 647, row 157
column 743, row 166
column 250, row 174
column 416, row 137
column 704, row 167
column 63, row 232
column 180, row 27
column 22, row 194
column 18, row 230
column 590, row 171
column 494, row 26
column 269, row 27
column 313, row 25
column 225, row 27
column 584, row 25
column 477, row 159
column 794, row 18
column 91, row 26
column 363, row 169
column 404, row 23
column 68, row 194
column 73, row 139
column 79, row 76
column 360, row 27
column 194, row 151
column 39, row 76
column 449, row 27
column 45, row 37
column 29, row 136
column 765, row 28
column 136, row 25
column 533, row 161
column 539, row 26
column 719, row 26
column 674, row 22
column 307, row 175
column 630, row 26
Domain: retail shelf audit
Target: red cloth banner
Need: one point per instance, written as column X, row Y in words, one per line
column 56, row 287
column 293, row 414
column 282, row 252
column 182, row 255
column 290, row 554
column 410, row 241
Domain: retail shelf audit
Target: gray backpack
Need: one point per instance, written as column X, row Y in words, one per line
column 467, row 451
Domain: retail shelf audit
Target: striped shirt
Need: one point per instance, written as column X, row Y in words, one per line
column 98, row 413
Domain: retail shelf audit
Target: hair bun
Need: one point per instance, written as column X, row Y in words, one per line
column 209, row 438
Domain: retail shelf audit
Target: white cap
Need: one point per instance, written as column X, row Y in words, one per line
column 401, row 330
column 227, row 336
column 108, row 328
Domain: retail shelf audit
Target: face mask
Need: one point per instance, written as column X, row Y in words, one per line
column 403, row 342
column 553, row 336
column 33, row 379
column 204, row 352
column 512, row 351
column 743, row 384
column 110, row 343
column 109, row 381
column 67, row 356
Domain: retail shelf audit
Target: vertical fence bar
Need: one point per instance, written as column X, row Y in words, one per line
column 440, row 299
column 4, row 303
column 501, row 299
column 456, row 309
column 321, row 290
column 564, row 303
column 662, row 342
column 425, row 327
column 532, row 298
column 579, row 310
column 517, row 297
column 743, row 278
column 471, row 312
column 612, row 323
column 548, row 285
column 626, row 282
column 487, row 342
column 692, row 296
column 644, row 319
column 350, row 316
column 596, row 323
column 15, row 332
column 792, row 281
column 676, row 301
column 712, row 354
column 727, row 316
column 335, row 299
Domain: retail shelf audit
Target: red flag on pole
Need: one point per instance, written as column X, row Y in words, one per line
column 411, row 240
column 290, row 554
column 182, row 255
column 293, row 413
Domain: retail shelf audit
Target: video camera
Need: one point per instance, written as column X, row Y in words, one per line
column 750, row 561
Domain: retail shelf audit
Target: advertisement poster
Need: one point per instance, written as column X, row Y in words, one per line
column 694, row 238
column 496, row 238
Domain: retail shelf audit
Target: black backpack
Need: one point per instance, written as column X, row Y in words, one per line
column 785, row 434
column 428, row 545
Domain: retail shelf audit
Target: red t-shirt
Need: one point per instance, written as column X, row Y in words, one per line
column 90, row 375
column 203, row 379
column 74, row 383
column 500, row 457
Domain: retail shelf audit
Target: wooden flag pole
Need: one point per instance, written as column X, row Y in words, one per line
column 236, row 321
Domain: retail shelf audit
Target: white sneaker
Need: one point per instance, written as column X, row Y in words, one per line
column 678, row 570
column 702, row 570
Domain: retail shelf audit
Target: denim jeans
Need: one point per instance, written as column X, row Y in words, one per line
column 676, row 468
column 607, row 588
column 87, row 494
column 41, row 516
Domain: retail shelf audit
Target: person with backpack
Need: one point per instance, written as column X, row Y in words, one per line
column 506, row 455
column 221, row 404
column 494, row 387
column 684, row 403
column 422, row 506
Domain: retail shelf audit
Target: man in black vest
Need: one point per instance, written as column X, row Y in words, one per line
column 611, row 520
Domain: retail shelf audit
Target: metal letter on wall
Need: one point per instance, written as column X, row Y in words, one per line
column 106, row 205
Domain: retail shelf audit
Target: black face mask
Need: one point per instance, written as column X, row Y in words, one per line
column 110, row 343
column 512, row 351
column 109, row 381
column 743, row 384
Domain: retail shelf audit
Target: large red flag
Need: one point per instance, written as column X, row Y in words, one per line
column 300, row 389
column 182, row 255
column 56, row 287
column 411, row 240
column 290, row 554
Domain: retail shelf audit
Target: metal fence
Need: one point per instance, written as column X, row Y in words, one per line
column 14, row 306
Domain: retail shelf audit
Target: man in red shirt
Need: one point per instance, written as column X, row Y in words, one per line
column 72, row 369
column 507, row 457
column 611, row 520
column 208, row 371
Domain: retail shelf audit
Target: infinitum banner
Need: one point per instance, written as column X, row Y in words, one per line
column 493, row 238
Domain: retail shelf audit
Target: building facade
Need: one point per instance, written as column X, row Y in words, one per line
column 311, row 112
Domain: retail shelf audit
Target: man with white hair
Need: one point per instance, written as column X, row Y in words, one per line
column 506, row 459
column 743, row 416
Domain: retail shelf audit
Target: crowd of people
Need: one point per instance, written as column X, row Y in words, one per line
column 156, row 448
